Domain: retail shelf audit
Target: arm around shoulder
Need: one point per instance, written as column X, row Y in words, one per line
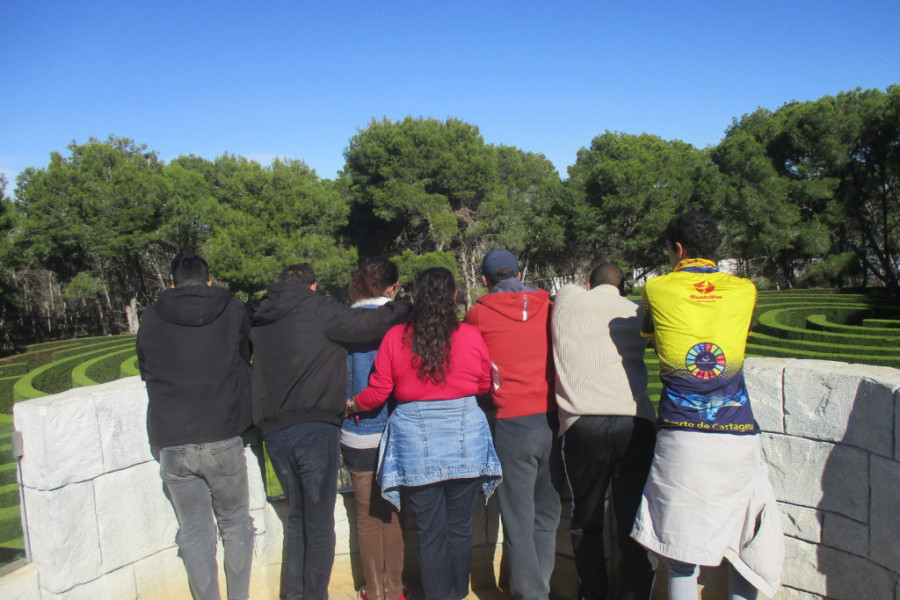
column 360, row 326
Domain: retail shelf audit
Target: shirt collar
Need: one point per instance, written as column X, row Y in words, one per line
column 697, row 265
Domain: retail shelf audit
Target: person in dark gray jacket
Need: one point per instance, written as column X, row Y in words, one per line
column 299, row 400
column 192, row 351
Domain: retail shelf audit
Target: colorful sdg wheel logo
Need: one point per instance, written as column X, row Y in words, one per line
column 705, row 361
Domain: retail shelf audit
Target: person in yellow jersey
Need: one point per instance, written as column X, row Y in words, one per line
column 708, row 495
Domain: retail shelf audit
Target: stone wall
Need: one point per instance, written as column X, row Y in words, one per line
column 98, row 523
column 832, row 441
column 100, row 527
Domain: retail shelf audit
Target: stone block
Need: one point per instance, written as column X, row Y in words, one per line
column 851, row 577
column 885, row 537
column 274, row 533
column 64, row 535
column 119, row 585
column 121, row 407
column 897, row 425
column 821, row 475
column 845, row 534
column 162, row 577
column 125, row 499
column 20, row 584
column 801, row 522
column 255, row 479
column 258, row 520
column 61, row 440
column 341, row 528
column 787, row 593
column 486, row 521
column 834, row 402
column 765, row 383
column 564, row 580
column 485, row 562
column 801, row 569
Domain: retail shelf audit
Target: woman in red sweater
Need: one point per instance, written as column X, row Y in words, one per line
column 437, row 444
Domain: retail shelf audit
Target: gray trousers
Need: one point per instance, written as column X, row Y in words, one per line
column 207, row 485
column 529, row 500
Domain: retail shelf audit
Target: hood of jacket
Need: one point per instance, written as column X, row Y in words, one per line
column 192, row 306
column 280, row 299
column 517, row 306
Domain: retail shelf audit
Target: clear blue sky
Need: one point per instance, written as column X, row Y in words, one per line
column 298, row 79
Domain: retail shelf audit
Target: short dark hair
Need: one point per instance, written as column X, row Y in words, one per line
column 189, row 269
column 301, row 273
column 697, row 233
column 373, row 276
column 610, row 274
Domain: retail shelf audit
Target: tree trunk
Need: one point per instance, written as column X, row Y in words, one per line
column 131, row 315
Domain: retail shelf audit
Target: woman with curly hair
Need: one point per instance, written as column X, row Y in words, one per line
column 437, row 445
column 377, row 523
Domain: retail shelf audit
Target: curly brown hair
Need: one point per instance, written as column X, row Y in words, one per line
column 372, row 278
column 432, row 323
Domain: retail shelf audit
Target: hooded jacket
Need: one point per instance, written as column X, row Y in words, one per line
column 299, row 362
column 192, row 351
column 515, row 327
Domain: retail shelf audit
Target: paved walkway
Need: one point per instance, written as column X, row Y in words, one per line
column 343, row 586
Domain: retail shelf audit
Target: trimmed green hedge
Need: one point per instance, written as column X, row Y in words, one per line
column 54, row 377
column 766, row 345
column 13, row 369
column 101, row 368
column 129, row 367
column 37, row 355
column 6, row 393
column 110, row 342
column 820, row 322
column 882, row 323
column 780, row 323
column 10, row 525
column 770, row 351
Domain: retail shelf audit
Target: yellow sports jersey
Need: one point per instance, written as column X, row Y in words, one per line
column 699, row 318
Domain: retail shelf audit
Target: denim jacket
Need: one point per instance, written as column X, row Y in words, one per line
column 363, row 430
column 436, row 440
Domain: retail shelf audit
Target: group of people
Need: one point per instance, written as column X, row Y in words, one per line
column 431, row 411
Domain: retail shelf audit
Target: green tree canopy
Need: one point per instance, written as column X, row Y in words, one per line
column 417, row 185
column 98, row 210
column 627, row 187
column 267, row 217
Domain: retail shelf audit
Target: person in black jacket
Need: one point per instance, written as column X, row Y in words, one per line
column 192, row 350
column 299, row 392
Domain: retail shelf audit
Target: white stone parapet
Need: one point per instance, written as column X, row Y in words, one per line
column 99, row 526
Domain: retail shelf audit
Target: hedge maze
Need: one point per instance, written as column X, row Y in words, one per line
column 851, row 328
column 45, row 369
column 819, row 324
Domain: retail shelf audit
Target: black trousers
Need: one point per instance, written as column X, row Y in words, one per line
column 444, row 512
column 608, row 454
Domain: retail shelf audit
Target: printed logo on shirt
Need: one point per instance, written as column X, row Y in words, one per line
column 705, row 360
column 705, row 295
column 704, row 287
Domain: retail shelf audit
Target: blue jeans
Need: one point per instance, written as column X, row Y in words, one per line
column 202, row 480
column 443, row 513
column 608, row 453
column 306, row 458
column 529, row 501
column 683, row 583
